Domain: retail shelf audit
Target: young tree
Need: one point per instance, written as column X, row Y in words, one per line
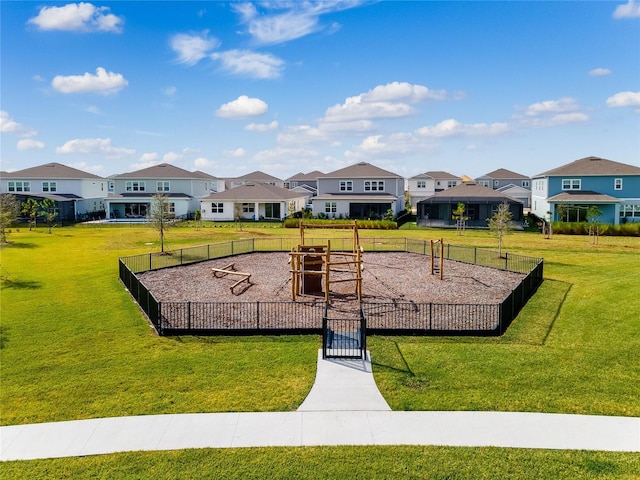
column 160, row 216
column 292, row 208
column 237, row 214
column 501, row 224
column 593, row 217
column 49, row 210
column 30, row 209
column 9, row 211
column 459, row 217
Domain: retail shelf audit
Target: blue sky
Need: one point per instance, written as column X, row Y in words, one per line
column 287, row 87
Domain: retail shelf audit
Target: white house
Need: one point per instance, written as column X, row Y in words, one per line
column 359, row 191
column 426, row 184
column 77, row 194
column 255, row 177
column 253, row 201
column 131, row 194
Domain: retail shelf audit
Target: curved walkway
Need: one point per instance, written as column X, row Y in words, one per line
column 344, row 407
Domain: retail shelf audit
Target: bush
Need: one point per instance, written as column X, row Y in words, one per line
column 363, row 224
column 582, row 228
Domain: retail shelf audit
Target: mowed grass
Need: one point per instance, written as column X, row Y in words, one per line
column 75, row 346
column 423, row 463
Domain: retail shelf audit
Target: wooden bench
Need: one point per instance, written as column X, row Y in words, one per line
column 231, row 270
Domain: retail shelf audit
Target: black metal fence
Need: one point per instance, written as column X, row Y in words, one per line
column 344, row 337
column 217, row 318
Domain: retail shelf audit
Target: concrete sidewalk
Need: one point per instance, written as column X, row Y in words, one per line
column 344, row 407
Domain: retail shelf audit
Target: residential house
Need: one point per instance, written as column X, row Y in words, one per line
column 502, row 178
column 255, row 177
column 359, row 191
column 480, row 204
column 252, row 201
column 131, row 194
column 426, row 184
column 567, row 192
column 77, row 194
column 306, row 180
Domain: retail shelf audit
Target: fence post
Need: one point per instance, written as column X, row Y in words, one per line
column 189, row 315
column 258, row 315
column 181, row 256
column 149, row 261
column 506, row 259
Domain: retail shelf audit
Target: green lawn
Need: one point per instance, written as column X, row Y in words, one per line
column 75, row 346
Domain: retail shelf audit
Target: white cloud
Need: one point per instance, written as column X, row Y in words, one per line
column 599, row 72
column 624, row 99
column 91, row 146
column 140, row 165
column 192, row 48
column 261, row 127
column 9, row 125
column 237, row 153
column 292, row 20
column 170, row 91
column 561, row 105
column 250, row 64
column 280, row 154
column 384, row 101
column 631, row 9
column 242, row 107
column 149, row 157
column 85, row 167
column 451, row 127
column 202, row 162
column 77, row 17
column 170, row 157
column 102, row 82
column 29, row 144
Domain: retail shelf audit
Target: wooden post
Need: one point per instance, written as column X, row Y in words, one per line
column 441, row 258
column 432, row 262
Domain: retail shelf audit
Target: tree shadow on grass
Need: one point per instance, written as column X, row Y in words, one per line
column 21, row 245
column 21, row 284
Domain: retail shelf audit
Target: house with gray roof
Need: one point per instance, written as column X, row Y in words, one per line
column 502, row 177
column 255, row 177
column 425, row 184
column 567, row 192
column 359, row 191
column 131, row 194
column 77, row 194
column 252, row 201
column 480, row 204
column 308, row 181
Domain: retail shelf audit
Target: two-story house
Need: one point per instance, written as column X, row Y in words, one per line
column 255, row 177
column 252, row 201
column 131, row 194
column 308, row 181
column 359, row 191
column 567, row 192
column 76, row 193
column 510, row 183
column 426, row 184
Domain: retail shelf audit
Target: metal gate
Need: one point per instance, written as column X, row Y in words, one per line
column 344, row 337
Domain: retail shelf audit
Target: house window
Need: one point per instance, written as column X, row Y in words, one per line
column 248, row 208
column 496, row 183
column 571, row 184
column 217, row 207
column 172, row 207
column 451, row 183
column 49, row 186
column 330, row 207
column 19, row 186
column 484, row 183
column 135, row 186
column 525, row 183
column 422, row 184
column 617, row 184
column 374, row 185
column 111, row 186
column 346, row 185
column 630, row 211
column 162, row 186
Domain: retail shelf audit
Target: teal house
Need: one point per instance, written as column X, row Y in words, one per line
column 566, row 193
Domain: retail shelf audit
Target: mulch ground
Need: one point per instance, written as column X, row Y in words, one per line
column 387, row 278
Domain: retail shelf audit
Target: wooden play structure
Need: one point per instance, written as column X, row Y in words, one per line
column 231, row 270
column 314, row 267
column 437, row 257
